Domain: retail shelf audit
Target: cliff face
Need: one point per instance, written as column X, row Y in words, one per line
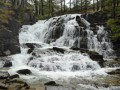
column 11, row 20
column 9, row 43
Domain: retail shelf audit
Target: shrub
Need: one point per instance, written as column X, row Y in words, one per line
column 114, row 24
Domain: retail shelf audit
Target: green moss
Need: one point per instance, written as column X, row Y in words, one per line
column 5, row 13
column 114, row 24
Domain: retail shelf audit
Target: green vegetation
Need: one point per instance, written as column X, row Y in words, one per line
column 115, row 27
column 5, row 12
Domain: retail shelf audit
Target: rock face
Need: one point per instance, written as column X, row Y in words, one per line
column 9, row 43
column 117, row 47
column 96, row 18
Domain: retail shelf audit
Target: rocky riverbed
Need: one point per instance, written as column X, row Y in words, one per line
column 111, row 81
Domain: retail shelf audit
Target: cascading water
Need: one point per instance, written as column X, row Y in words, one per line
column 63, row 32
column 69, row 31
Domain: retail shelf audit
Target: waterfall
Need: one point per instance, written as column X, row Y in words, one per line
column 70, row 31
column 64, row 32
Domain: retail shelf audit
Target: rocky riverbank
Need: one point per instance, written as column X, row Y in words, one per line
column 111, row 81
column 13, row 82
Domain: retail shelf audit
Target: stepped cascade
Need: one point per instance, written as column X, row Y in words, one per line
column 47, row 47
column 68, row 31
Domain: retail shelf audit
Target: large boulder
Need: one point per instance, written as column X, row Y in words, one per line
column 7, row 64
column 96, row 57
column 24, row 71
column 58, row 49
column 14, row 76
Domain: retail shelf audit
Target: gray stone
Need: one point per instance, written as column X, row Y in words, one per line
column 24, row 71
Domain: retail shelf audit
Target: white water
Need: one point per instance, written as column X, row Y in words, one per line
column 51, row 65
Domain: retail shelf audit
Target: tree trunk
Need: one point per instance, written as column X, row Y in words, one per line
column 39, row 7
column 93, row 5
column 86, row 6
column 81, row 5
column 36, row 7
column 97, row 5
column 61, row 7
column 114, row 7
column 70, row 5
column 42, row 6
column 52, row 8
column 49, row 2
column 64, row 6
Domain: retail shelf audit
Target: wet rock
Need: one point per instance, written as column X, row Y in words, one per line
column 75, row 68
column 30, row 45
column 75, row 48
column 94, row 29
column 8, row 64
column 56, row 30
column 6, row 53
column 4, row 75
column 34, row 54
column 79, row 21
column 96, row 57
column 83, row 43
column 58, row 49
column 51, row 83
column 114, row 72
column 30, row 51
column 24, row 71
column 5, row 62
column 14, row 76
